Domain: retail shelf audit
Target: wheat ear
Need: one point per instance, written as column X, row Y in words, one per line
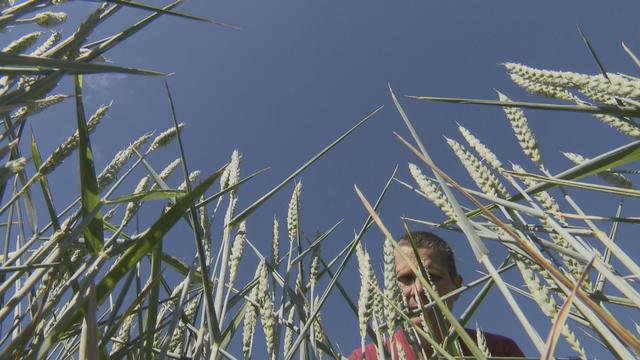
column 275, row 242
column 236, row 251
column 546, row 302
column 537, row 88
column 65, row 149
column 522, row 131
column 52, row 40
column 391, row 289
column 23, row 43
column 108, row 175
column 613, row 179
column 481, row 149
column 266, row 309
column 164, row 138
column 480, row 174
column 431, row 191
column 364, row 302
column 292, row 213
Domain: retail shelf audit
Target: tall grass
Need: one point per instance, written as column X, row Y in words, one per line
column 67, row 278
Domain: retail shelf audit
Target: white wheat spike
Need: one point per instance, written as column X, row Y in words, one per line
column 249, row 321
column 38, row 105
column 166, row 172
column 547, row 77
column 364, row 301
column 522, row 131
column 47, row 19
column 482, row 342
column 480, row 174
column 292, row 213
column 624, row 126
column 193, row 176
column 52, row 40
column 431, row 191
column 23, row 43
column 108, row 175
column 133, row 206
column 613, row 179
column 391, row 289
column 266, row 309
column 614, row 85
column 236, row 251
column 314, row 270
column 164, row 138
column 537, row 88
column 275, row 243
column 65, row 149
column 288, row 333
column 481, row 149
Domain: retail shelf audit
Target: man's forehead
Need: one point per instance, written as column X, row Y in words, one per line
column 429, row 257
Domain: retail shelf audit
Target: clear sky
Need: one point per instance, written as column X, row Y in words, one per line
column 299, row 73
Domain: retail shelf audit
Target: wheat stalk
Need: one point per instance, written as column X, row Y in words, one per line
column 166, row 172
column 193, row 176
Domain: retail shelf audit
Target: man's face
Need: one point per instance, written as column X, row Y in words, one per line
column 435, row 265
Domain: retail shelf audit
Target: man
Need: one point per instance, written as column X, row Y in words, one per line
column 438, row 260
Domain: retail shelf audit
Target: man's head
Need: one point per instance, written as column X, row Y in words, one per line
column 436, row 257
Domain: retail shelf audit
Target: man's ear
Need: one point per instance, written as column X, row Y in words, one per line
column 457, row 281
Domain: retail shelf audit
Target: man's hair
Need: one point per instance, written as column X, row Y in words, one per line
column 429, row 240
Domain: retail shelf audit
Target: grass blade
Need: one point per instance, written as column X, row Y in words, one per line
column 45, row 65
column 558, row 323
column 173, row 13
column 610, row 110
column 94, row 235
column 44, row 184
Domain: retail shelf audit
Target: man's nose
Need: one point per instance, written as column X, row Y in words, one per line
column 413, row 289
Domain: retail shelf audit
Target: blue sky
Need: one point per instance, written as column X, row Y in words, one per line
column 299, row 73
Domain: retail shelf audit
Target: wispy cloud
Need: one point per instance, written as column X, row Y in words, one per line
column 103, row 82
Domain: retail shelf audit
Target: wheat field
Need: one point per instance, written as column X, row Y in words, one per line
column 83, row 280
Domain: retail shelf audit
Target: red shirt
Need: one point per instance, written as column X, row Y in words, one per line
column 498, row 346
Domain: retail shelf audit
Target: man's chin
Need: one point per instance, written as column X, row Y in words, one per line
column 416, row 320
